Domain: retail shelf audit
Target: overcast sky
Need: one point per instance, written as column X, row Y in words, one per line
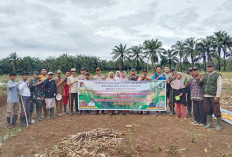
column 42, row 28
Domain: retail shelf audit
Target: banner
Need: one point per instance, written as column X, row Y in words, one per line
column 226, row 116
column 122, row 95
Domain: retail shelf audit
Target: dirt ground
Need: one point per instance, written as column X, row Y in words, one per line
column 150, row 136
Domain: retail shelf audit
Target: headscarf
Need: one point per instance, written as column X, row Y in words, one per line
column 124, row 79
column 178, row 84
column 116, row 77
column 110, row 79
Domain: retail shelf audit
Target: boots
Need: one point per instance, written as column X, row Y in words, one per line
column 39, row 115
column 219, row 127
column 48, row 113
column 14, row 119
column 23, row 121
column 52, row 112
column 209, row 121
column 65, row 109
column 30, row 120
column 8, row 123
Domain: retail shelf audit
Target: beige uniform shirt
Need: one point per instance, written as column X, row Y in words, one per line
column 73, row 87
column 99, row 77
column 81, row 77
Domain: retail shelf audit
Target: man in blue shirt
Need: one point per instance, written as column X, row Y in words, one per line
column 158, row 75
column 12, row 100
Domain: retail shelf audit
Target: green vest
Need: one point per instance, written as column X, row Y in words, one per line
column 210, row 83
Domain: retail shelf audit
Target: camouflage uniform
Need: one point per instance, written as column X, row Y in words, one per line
column 36, row 93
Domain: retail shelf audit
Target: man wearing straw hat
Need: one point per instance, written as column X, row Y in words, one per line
column 60, row 92
column 72, row 83
column 50, row 94
column 12, row 100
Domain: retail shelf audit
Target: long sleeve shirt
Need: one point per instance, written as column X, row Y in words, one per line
column 50, row 89
column 12, row 92
column 24, row 88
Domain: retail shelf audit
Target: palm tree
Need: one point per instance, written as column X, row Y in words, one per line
column 136, row 52
column 208, row 45
column 179, row 48
column 13, row 60
column 152, row 50
column 169, row 57
column 223, row 42
column 191, row 49
column 120, row 54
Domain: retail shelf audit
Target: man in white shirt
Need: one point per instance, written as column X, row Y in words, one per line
column 26, row 98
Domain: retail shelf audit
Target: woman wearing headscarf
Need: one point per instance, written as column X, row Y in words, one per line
column 117, row 76
column 179, row 92
column 123, row 76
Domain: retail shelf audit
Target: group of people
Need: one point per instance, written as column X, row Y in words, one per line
column 45, row 92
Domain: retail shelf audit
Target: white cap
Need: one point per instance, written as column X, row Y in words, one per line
column 73, row 69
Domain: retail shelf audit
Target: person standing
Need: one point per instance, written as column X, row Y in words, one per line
column 170, row 98
column 87, row 76
column 99, row 77
column 212, row 86
column 144, row 77
column 179, row 92
column 26, row 99
column 12, row 100
column 43, row 77
column 111, row 78
column 37, row 95
column 124, row 76
column 82, row 77
column 159, row 76
column 197, row 98
column 133, row 76
column 188, row 94
column 60, row 90
column 117, row 76
column 72, row 83
column 50, row 94
column 66, row 92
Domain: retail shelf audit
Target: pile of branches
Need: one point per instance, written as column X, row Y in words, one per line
column 93, row 143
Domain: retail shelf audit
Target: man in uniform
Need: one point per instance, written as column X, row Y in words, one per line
column 212, row 86
column 37, row 95
column 43, row 77
column 82, row 76
column 133, row 76
column 60, row 90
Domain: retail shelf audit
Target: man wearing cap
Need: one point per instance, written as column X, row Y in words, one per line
column 87, row 76
column 133, row 76
column 98, row 75
column 197, row 98
column 50, row 94
column 12, row 100
column 188, row 94
column 72, row 82
column 43, row 77
column 24, row 89
column 212, row 86
column 66, row 92
column 82, row 76
column 144, row 77
column 37, row 95
column 60, row 90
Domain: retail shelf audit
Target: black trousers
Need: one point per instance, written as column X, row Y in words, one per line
column 198, row 112
column 189, row 104
column 74, row 97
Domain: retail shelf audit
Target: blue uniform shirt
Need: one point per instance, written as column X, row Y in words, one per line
column 157, row 75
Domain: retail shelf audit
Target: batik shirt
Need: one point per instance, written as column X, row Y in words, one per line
column 196, row 90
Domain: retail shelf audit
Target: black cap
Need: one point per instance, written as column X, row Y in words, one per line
column 144, row 70
column 210, row 64
column 24, row 73
column 173, row 69
column 82, row 69
column 12, row 74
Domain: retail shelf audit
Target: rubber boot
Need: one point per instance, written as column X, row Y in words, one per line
column 52, row 112
column 39, row 115
column 48, row 113
column 30, row 121
column 65, row 109
column 209, row 121
column 219, row 121
column 14, row 119
column 8, row 123
column 23, row 121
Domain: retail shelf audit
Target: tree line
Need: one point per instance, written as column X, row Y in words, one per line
column 181, row 55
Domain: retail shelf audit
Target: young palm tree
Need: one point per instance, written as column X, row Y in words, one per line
column 120, row 54
column 13, row 60
column 152, row 50
column 136, row 53
column 191, row 50
column 179, row 48
column 169, row 57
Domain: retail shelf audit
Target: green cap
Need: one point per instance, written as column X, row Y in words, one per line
column 36, row 72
